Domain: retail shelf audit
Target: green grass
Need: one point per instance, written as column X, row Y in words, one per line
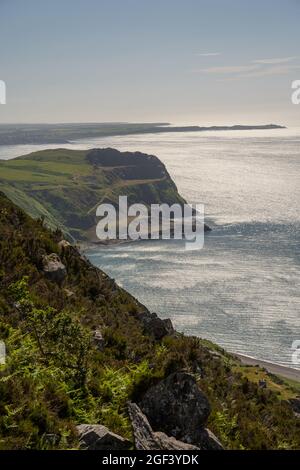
column 51, row 166
column 61, row 186
column 285, row 389
column 293, row 385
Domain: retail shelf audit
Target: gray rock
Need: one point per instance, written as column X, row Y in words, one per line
column 177, row 407
column 262, row 384
column 295, row 405
column 64, row 244
column 155, row 326
column 146, row 439
column 98, row 340
column 208, row 441
column 53, row 268
column 216, row 354
column 170, row 443
column 70, row 294
column 98, row 437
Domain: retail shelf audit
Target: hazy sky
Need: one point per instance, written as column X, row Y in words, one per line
column 181, row 61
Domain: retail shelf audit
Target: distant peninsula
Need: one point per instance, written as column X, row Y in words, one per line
column 17, row 134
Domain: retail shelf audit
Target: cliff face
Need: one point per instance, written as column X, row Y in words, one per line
column 66, row 186
column 79, row 348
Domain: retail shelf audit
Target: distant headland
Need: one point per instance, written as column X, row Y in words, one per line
column 15, row 134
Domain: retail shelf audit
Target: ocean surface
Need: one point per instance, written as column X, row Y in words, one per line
column 242, row 289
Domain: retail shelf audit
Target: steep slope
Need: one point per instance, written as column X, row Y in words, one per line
column 66, row 186
column 79, row 347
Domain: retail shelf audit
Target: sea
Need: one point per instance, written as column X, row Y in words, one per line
column 242, row 289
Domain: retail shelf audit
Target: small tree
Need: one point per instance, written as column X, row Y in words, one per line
column 61, row 339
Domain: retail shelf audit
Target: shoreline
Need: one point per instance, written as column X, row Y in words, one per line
column 85, row 245
column 285, row 372
column 277, row 369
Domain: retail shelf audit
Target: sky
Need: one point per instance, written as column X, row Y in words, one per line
column 200, row 62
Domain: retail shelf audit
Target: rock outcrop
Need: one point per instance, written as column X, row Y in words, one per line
column 179, row 408
column 177, row 404
column 64, row 244
column 146, row 439
column 53, row 268
column 155, row 326
column 98, row 437
column 295, row 405
column 98, row 339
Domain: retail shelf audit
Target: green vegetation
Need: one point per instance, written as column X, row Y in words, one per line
column 55, row 376
column 66, row 186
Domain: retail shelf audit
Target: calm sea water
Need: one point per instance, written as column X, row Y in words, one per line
column 242, row 289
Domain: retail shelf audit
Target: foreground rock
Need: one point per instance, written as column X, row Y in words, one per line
column 155, row 326
column 64, row 244
column 98, row 437
column 146, row 439
column 179, row 408
column 295, row 405
column 208, row 441
column 53, row 268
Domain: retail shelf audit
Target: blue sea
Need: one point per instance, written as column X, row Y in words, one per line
column 242, row 289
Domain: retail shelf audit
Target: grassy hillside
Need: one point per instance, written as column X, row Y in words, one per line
column 65, row 186
column 55, row 377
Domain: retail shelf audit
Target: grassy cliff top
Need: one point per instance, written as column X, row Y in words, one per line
column 66, row 186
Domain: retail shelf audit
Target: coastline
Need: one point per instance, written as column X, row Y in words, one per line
column 285, row 372
column 94, row 242
column 277, row 369
column 46, row 134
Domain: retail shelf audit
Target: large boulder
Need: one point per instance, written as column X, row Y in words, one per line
column 155, row 326
column 53, row 268
column 146, row 439
column 177, row 407
column 98, row 437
